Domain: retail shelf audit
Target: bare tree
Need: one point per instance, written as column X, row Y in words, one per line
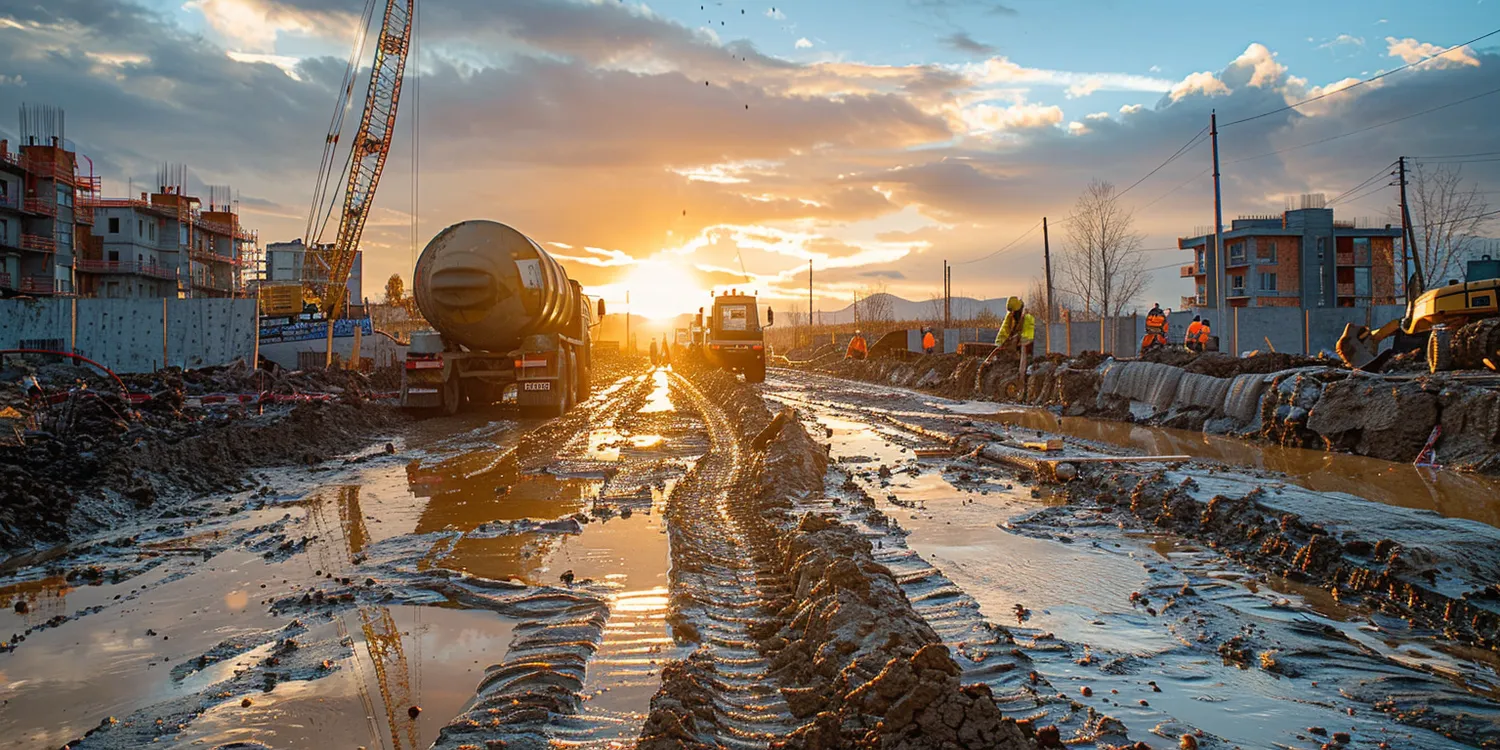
column 935, row 308
column 1036, row 300
column 875, row 305
column 1447, row 216
column 1101, row 263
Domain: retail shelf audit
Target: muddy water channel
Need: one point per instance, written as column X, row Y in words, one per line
column 1160, row 634
column 374, row 600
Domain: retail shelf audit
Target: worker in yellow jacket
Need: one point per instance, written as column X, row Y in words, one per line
column 1018, row 330
column 858, row 349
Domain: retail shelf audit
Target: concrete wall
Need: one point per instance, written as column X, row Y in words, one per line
column 1250, row 328
column 126, row 335
column 380, row 348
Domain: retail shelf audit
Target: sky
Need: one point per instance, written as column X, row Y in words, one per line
column 672, row 147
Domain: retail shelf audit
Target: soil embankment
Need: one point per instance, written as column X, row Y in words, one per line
column 82, row 454
column 1287, row 399
column 855, row 664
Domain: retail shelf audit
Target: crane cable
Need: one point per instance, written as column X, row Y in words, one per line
column 317, row 220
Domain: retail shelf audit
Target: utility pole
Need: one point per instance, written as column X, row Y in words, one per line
column 629, row 347
column 1047, row 265
column 1219, row 258
column 809, row 303
column 1409, row 241
column 947, row 313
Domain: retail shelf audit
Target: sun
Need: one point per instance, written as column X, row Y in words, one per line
column 659, row 290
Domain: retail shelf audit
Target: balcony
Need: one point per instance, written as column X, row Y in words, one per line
column 1189, row 270
column 5, row 281
column 1237, row 291
column 1237, row 260
column 38, row 285
column 125, row 267
column 1189, row 303
column 38, row 243
column 39, row 206
column 83, row 215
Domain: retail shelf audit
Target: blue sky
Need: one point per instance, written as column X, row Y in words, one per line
column 874, row 138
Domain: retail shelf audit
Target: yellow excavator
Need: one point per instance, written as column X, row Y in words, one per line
column 1462, row 320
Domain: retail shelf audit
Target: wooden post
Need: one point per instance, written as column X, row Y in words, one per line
column 1307, row 331
column 354, row 352
column 1067, row 321
column 164, row 360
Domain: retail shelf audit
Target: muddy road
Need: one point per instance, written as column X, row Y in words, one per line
column 672, row 565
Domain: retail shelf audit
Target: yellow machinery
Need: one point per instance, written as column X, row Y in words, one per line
column 280, row 299
column 1463, row 319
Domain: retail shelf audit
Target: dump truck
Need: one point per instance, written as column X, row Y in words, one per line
column 736, row 339
column 506, row 316
column 1461, row 320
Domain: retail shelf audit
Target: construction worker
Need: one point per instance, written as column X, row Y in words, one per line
column 655, row 354
column 929, row 342
column 1204, row 335
column 1190, row 340
column 1156, row 328
column 858, row 349
column 1018, row 330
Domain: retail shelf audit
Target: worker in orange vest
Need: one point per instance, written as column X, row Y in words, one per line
column 1204, row 334
column 1190, row 340
column 1156, row 328
column 929, row 342
column 858, row 349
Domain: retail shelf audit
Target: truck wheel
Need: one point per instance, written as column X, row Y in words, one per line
column 1440, row 349
column 452, row 395
column 755, row 372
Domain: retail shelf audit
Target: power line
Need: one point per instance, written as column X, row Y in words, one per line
column 1384, row 172
column 1363, row 195
column 1368, row 128
column 1003, row 249
column 1360, row 83
column 1454, row 156
column 1192, row 142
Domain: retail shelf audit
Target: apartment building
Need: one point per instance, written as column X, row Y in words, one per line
column 165, row 244
column 1302, row 258
column 40, row 214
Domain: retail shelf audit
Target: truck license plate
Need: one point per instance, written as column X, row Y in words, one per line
column 537, row 385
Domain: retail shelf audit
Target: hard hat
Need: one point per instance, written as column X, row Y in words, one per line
column 1014, row 304
column 1197, row 318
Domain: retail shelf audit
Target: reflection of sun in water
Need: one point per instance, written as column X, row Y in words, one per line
column 660, row 290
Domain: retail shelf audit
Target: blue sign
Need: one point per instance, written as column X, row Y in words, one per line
column 274, row 331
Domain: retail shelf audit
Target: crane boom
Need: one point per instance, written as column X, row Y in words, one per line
column 368, row 152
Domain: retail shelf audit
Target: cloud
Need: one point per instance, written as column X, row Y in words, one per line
column 1001, row 70
column 804, row 43
column 776, row 14
column 943, row 7
column 1203, row 83
column 1343, row 40
column 883, row 274
column 1412, row 51
column 989, row 118
column 254, row 25
column 962, row 42
column 1083, row 88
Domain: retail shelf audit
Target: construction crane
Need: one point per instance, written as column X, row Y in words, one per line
column 326, row 267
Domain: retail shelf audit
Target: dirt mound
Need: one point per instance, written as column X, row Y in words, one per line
column 82, row 441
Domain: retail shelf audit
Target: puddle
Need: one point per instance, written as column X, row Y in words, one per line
column 660, row 399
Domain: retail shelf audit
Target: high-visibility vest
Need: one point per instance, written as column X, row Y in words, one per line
column 1156, row 323
column 1203, row 334
column 928, row 342
column 856, row 345
column 1192, row 331
column 1007, row 328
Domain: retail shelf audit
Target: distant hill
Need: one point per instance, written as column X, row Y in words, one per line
column 905, row 309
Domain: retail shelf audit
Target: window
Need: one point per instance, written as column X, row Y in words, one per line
column 1322, row 246
column 1266, row 251
column 1267, row 282
column 1361, row 282
column 1237, row 284
column 1361, row 251
column 64, row 196
column 153, row 231
column 114, row 256
column 64, row 236
column 114, row 225
column 1237, row 252
column 1202, row 259
column 140, row 228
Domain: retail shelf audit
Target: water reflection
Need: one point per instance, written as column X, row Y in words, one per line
column 1449, row 493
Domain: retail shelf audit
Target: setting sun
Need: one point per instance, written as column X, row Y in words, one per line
column 659, row 290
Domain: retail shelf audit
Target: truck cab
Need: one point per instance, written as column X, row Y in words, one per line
column 735, row 337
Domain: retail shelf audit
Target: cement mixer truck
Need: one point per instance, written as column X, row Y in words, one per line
column 505, row 315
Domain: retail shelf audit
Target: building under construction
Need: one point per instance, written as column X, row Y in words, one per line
column 59, row 236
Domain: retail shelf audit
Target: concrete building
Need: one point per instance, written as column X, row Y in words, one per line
column 41, row 215
column 165, row 245
column 287, row 262
column 1303, row 258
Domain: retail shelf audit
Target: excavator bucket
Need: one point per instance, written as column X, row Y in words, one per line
column 1357, row 348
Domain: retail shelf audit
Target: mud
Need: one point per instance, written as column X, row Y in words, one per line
column 1282, row 398
column 856, row 665
column 95, row 460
